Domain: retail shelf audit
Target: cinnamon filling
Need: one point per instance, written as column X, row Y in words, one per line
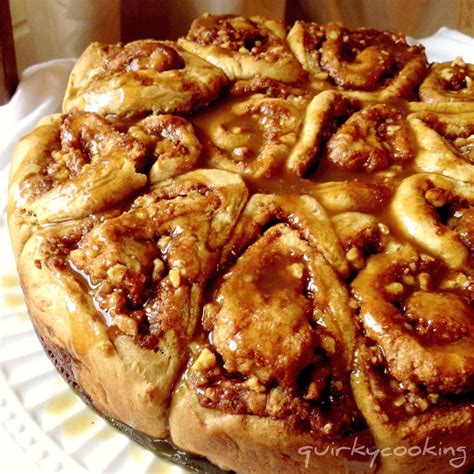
column 371, row 139
column 80, row 140
column 457, row 131
column 269, row 351
column 237, row 34
column 420, row 314
column 265, row 345
column 132, row 57
column 449, row 82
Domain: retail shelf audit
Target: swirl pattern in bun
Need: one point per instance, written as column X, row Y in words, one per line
column 414, row 371
column 445, row 143
column 378, row 64
column 141, row 77
column 448, row 82
column 243, row 47
column 256, row 247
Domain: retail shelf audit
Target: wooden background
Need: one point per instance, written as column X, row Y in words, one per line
column 8, row 73
column 417, row 18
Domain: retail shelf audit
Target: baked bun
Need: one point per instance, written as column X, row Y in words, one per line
column 141, row 77
column 414, row 370
column 270, row 392
column 69, row 167
column 381, row 64
column 128, row 293
column 445, row 143
column 254, row 135
column 172, row 143
column 243, row 47
column 449, row 82
column 256, row 249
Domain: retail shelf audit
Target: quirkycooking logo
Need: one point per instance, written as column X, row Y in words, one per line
column 457, row 455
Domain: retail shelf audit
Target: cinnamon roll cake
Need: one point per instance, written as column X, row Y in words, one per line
column 256, row 244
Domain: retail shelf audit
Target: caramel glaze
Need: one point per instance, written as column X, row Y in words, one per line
column 333, row 404
column 397, row 401
column 440, row 315
column 218, row 384
column 311, row 390
column 207, row 30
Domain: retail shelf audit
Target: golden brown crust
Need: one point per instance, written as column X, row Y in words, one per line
column 141, row 77
column 345, row 196
column 118, row 258
column 243, row 47
column 252, row 136
column 172, row 142
column 280, row 342
column 426, row 207
column 65, row 317
column 342, row 134
column 249, row 444
column 270, row 278
column 357, row 145
column 69, row 167
column 445, row 144
column 425, row 330
column 303, row 212
column 448, row 82
column 375, row 64
column 361, row 235
column 434, row 441
column 322, row 115
column 414, row 370
column 440, row 107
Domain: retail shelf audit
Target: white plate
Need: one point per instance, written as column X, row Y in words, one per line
column 39, row 410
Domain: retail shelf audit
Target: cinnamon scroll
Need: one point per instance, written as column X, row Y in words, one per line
column 69, row 167
column 272, row 363
column 378, row 64
column 414, row 370
column 172, row 143
column 77, row 164
column 141, row 77
column 449, row 82
column 445, row 143
column 125, row 293
column 253, row 135
column 353, row 136
column 437, row 213
column 244, row 47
